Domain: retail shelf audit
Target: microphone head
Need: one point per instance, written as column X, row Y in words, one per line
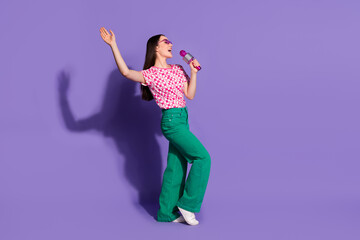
column 182, row 53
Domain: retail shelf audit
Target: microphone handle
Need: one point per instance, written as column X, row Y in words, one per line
column 188, row 58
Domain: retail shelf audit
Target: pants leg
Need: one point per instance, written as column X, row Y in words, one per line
column 175, row 127
column 172, row 186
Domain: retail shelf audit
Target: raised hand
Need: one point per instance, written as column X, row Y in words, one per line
column 194, row 63
column 108, row 38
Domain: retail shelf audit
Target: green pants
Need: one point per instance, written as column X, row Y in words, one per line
column 184, row 148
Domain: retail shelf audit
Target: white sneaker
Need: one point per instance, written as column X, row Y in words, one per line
column 189, row 217
column 179, row 219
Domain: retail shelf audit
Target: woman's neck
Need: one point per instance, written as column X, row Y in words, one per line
column 161, row 63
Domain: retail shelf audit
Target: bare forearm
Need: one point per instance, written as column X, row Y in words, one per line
column 119, row 60
column 192, row 86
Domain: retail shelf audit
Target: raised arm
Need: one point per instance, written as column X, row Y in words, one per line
column 124, row 70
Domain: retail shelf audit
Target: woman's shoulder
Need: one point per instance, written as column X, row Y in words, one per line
column 178, row 66
column 149, row 70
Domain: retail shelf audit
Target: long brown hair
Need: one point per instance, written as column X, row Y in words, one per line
column 149, row 62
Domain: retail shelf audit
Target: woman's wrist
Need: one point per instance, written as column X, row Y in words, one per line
column 113, row 45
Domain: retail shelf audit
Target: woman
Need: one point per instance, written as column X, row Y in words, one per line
column 167, row 84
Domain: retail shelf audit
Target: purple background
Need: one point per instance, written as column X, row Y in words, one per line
column 277, row 107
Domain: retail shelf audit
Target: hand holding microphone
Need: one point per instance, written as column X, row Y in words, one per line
column 188, row 58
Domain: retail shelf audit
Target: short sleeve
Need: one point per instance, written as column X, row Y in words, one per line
column 148, row 76
column 186, row 77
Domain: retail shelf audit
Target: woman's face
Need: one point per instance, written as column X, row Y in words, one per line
column 164, row 47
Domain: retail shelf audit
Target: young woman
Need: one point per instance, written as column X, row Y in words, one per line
column 167, row 84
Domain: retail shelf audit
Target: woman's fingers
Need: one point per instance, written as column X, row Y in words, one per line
column 196, row 63
column 102, row 32
column 193, row 66
column 108, row 38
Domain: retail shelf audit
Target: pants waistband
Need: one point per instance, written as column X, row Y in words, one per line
column 174, row 110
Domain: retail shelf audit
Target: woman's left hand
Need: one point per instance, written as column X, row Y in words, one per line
column 194, row 63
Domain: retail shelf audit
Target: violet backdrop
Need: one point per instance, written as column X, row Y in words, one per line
column 82, row 156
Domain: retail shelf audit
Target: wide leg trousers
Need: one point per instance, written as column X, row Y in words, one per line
column 184, row 148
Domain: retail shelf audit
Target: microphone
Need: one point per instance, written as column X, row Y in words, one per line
column 188, row 58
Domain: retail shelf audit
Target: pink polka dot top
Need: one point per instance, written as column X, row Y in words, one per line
column 167, row 85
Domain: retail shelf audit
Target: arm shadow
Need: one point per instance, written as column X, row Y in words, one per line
column 132, row 124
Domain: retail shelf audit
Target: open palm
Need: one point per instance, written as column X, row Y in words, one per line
column 108, row 38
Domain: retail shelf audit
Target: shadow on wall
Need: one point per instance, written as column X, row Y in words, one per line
column 133, row 124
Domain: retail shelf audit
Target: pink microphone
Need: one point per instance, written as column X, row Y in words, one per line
column 188, row 58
